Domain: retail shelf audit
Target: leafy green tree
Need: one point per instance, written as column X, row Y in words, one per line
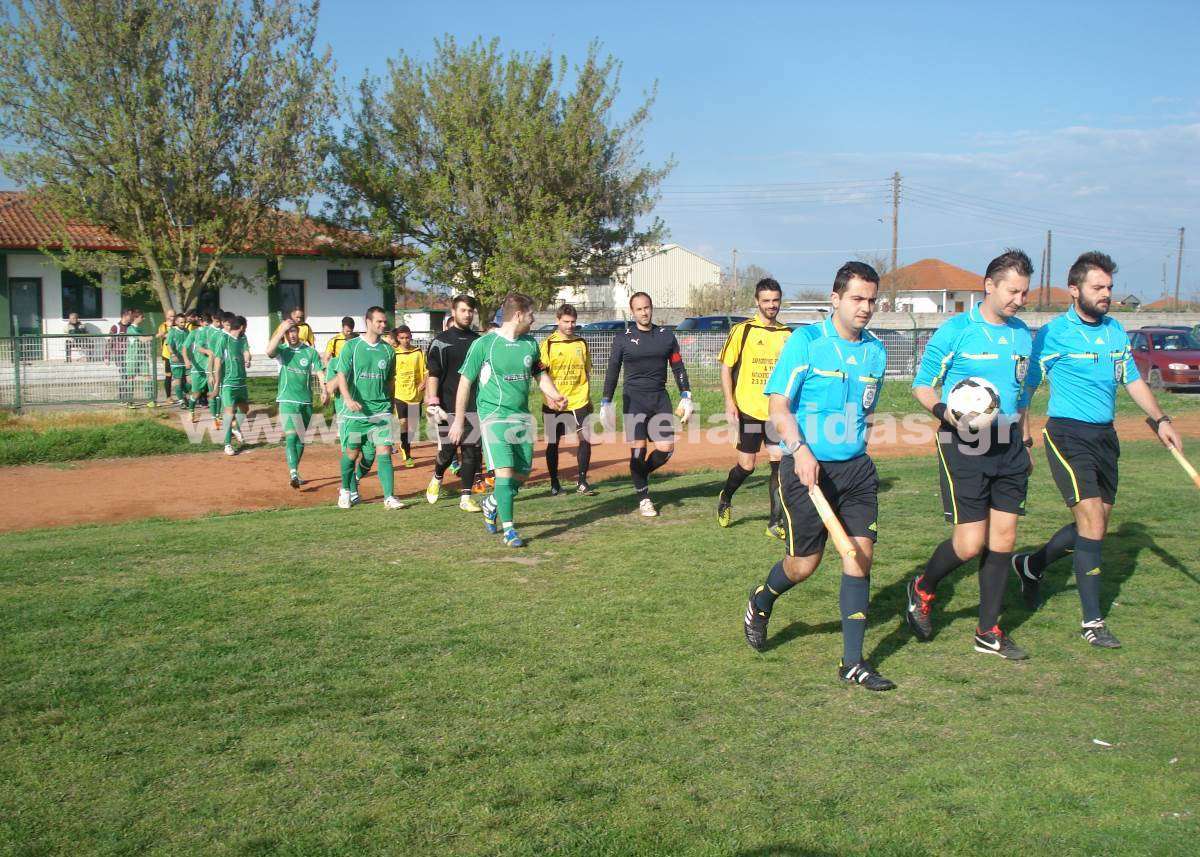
column 502, row 172
column 181, row 126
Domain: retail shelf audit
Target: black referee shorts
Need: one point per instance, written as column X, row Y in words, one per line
column 647, row 416
column 974, row 482
column 1083, row 458
column 753, row 432
column 852, row 489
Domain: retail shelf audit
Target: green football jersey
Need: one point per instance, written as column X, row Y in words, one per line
column 232, row 351
column 137, row 349
column 176, row 337
column 503, row 369
column 330, row 372
column 296, row 366
column 195, row 340
column 368, row 370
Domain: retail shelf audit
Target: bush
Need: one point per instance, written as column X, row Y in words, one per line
column 131, row 438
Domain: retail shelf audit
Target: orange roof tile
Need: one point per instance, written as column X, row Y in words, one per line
column 24, row 225
column 934, row 275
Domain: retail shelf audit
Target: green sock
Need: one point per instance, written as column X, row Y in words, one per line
column 229, row 429
column 505, row 493
column 348, row 481
column 385, row 474
column 214, row 406
column 293, row 447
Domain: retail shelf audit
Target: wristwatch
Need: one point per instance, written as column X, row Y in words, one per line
column 792, row 449
column 1163, row 419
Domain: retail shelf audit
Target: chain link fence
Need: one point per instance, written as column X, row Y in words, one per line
column 107, row 369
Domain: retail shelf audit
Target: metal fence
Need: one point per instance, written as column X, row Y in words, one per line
column 105, row 369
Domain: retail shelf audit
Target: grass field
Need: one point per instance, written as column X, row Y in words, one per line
column 327, row 682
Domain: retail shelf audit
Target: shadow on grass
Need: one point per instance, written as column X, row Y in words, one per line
column 623, row 501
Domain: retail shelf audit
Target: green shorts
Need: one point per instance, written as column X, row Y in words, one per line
column 178, row 371
column 232, row 394
column 295, row 417
column 508, row 441
column 199, row 382
column 356, row 433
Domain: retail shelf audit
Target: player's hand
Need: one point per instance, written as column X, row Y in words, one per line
column 806, row 467
column 559, row 403
column 608, row 416
column 731, row 414
column 1029, row 452
column 324, row 396
column 436, row 413
column 456, row 431
column 352, row 406
column 1168, row 435
column 286, row 325
column 686, row 408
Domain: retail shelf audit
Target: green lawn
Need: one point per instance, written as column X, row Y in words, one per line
column 328, row 682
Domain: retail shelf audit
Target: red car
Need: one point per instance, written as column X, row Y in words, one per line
column 1167, row 357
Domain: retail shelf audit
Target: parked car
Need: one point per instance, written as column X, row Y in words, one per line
column 593, row 326
column 706, row 323
column 696, row 342
column 1167, row 357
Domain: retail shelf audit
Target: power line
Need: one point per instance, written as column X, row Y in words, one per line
column 886, row 249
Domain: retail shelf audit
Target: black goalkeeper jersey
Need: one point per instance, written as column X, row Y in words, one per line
column 444, row 358
column 645, row 356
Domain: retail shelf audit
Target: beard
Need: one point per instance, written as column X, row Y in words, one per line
column 1091, row 308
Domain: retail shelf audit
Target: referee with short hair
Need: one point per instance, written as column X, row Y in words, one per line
column 1085, row 355
column 984, row 474
column 823, row 388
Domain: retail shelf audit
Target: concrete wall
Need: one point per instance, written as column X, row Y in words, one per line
column 38, row 266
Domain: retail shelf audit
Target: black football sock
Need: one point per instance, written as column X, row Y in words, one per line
column 657, row 459
column 637, row 469
column 777, row 584
column 853, row 598
column 737, row 475
column 552, row 461
column 776, row 511
column 1060, row 544
column 993, row 573
column 585, row 457
column 943, row 561
column 1087, row 576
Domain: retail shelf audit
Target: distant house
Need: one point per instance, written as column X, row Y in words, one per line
column 932, row 285
column 36, row 296
column 1167, row 304
column 667, row 273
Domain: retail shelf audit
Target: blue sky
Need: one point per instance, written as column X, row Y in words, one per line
column 1004, row 120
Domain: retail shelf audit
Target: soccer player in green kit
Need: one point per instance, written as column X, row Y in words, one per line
column 298, row 362
column 366, row 371
column 503, row 362
column 176, row 338
column 197, row 363
column 229, row 376
column 208, row 340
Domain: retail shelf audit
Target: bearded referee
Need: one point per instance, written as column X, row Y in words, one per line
column 1085, row 355
column 645, row 351
column 984, row 474
column 747, row 359
column 822, row 390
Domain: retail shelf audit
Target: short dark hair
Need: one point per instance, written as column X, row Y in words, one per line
column 515, row 302
column 767, row 284
column 401, row 328
column 238, row 322
column 566, row 309
column 135, row 311
column 849, row 271
column 347, row 321
column 463, row 299
column 640, row 295
column 204, row 317
column 227, row 317
column 371, row 310
column 1011, row 259
column 293, row 309
column 1089, row 260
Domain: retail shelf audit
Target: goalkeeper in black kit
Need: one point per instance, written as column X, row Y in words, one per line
column 645, row 351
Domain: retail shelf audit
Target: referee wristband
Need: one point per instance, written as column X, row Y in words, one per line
column 1163, row 419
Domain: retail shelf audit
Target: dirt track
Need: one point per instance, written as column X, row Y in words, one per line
column 135, row 488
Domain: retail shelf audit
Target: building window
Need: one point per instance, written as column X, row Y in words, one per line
column 80, row 296
column 209, row 299
column 291, row 294
column 341, row 279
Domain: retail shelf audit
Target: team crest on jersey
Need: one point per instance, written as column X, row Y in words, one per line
column 303, row 361
column 1021, row 369
column 868, row 396
column 528, row 360
column 382, row 364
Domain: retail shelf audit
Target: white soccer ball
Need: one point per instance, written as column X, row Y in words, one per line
column 977, row 396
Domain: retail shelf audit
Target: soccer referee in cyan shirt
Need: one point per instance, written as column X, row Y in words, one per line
column 1085, row 355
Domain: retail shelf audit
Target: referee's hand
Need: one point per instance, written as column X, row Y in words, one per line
column 806, row 466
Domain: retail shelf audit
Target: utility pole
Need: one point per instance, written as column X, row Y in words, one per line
column 895, row 219
column 733, row 273
column 1178, row 267
column 1049, row 264
column 1042, row 280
